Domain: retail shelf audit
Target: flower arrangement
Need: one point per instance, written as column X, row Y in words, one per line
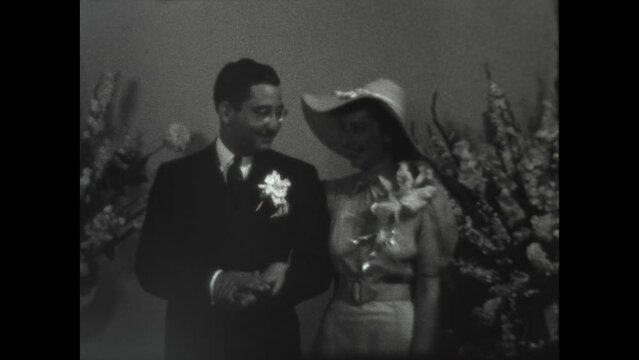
column 112, row 175
column 505, row 193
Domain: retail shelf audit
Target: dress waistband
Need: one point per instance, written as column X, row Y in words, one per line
column 360, row 292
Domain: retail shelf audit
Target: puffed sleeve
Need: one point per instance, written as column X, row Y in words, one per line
column 437, row 235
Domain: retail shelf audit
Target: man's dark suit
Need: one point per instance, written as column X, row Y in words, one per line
column 194, row 226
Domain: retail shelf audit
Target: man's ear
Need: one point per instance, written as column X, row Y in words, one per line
column 226, row 110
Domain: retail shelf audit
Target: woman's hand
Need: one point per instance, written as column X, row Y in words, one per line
column 274, row 275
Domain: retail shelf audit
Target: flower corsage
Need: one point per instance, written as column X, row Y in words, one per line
column 275, row 188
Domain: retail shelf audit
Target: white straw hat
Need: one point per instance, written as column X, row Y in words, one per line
column 317, row 111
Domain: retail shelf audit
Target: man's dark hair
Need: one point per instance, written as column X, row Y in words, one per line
column 233, row 83
column 400, row 147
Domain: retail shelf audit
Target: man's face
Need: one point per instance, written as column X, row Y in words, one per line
column 256, row 123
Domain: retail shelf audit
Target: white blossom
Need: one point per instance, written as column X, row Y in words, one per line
column 177, row 137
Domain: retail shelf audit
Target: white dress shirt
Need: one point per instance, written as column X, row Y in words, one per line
column 226, row 159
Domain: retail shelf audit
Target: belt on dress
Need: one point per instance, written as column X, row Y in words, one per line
column 357, row 292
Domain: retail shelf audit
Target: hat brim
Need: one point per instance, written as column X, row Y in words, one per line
column 317, row 112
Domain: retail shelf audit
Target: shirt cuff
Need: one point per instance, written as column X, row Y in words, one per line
column 212, row 284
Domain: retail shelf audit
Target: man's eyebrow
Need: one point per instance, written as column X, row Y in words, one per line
column 264, row 106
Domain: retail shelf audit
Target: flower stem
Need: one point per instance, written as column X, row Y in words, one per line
column 146, row 157
column 259, row 206
column 440, row 128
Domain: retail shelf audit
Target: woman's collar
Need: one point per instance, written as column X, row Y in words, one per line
column 386, row 168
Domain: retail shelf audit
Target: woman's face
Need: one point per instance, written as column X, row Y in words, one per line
column 362, row 139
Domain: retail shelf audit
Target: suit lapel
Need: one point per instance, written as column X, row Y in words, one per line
column 210, row 165
column 212, row 184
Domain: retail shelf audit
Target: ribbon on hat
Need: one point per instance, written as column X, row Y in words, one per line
column 351, row 94
column 360, row 92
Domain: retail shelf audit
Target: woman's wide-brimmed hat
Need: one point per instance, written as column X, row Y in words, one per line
column 325, row 125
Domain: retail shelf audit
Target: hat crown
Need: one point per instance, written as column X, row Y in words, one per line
column 383, row 89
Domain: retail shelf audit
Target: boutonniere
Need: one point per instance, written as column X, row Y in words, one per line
column 275, row 188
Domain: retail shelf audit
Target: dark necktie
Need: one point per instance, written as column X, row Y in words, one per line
column 234, row 177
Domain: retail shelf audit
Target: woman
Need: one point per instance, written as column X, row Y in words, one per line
column 387, row 245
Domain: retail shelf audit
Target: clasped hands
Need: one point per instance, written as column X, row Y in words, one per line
column 239, row 289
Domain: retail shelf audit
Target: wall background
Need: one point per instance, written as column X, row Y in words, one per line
column 169, row 51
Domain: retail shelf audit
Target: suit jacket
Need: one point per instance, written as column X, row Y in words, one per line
column 194, row 226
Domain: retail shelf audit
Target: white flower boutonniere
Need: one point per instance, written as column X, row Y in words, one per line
column 275, row 188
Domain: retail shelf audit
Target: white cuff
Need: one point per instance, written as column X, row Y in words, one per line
column 212, row 283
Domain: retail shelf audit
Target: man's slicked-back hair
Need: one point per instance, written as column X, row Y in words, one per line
column 233, row 83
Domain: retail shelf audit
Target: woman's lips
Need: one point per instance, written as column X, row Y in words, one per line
column 353, row 152
column 266, row 138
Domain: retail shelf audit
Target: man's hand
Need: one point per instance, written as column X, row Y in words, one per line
column 238, row 289
column 274, row 275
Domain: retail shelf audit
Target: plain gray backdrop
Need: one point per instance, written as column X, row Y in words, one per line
column 169, row 52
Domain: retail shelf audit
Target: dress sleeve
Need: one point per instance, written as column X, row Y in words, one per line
column 329, row 189
column 437, row 235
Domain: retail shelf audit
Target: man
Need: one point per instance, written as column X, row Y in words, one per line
column 233, row 258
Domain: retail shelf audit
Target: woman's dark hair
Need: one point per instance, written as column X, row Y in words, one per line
column 400, row 147
column 233, row 83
